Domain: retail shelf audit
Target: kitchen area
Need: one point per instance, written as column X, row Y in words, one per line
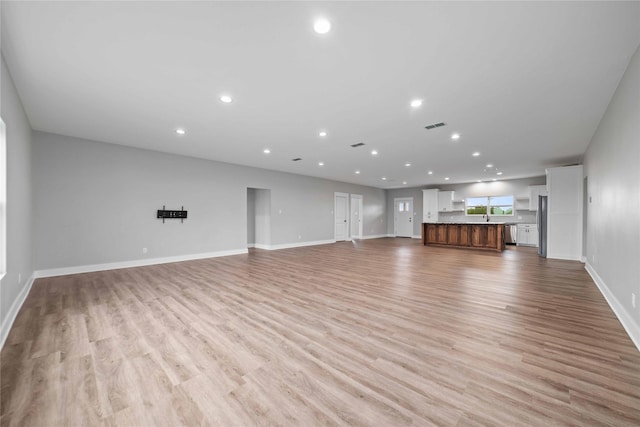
column 543, row 212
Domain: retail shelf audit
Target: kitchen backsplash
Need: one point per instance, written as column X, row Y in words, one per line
column 521, row 217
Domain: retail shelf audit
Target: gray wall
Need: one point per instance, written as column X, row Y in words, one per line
column 262, row 220
column 95, row 203
column 613, row 214
column 19, row 195
column 516, row 187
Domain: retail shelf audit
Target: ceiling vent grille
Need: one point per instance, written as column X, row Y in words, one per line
column 297, row 159
column 359, row 144
column 435, row 125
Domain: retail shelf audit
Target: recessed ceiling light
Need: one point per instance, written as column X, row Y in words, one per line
column 404, row 182
column 489, row 165
column 479, row 180
column 446, row 178
column 416, row 103
column 384, row 178
column 266, row 151
column 226, row 99
column 476, row 154
column 455, row 136
column 180, row 131
column 430, row 172
column 374, row 152
column 323, row 134
column 499, row 173
column 322, row 26
column 407, row 164
column 357, row 172
column 320, row 163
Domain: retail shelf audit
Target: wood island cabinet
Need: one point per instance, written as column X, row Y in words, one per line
column 476, row 236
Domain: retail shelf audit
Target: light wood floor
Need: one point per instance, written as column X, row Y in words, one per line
column 378, row 333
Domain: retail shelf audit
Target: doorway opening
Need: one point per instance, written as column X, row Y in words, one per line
column 258, row 218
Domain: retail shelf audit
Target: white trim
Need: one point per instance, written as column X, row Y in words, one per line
column 136, row 263
column 583, row 259
column 376, row 236
column 632, row 328
column 14, row 310
column 293, row 245
column 417, row 237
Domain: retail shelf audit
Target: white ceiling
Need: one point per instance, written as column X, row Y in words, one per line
column 525, row 84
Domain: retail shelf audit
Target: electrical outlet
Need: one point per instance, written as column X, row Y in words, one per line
column 633, row 300
column 144, row 250
column 299, row 236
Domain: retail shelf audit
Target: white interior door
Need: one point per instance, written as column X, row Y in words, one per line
column 403, row 217
column 341, row 210
column 356, row 216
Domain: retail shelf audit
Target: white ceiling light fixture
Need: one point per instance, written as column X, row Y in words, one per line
column 489, row 165
column 455, row 136
column 226, row 99
column 321, row 26
column 384, row 178
column 181, row 131
column 374, row 152
column 322, row 134
column 404, row 182
column 320, row 163
column 476, row 154
column 416, row 103
column 446, row 178
column 407, row 165
column 499, row 173
column 357, row 172
column 266, row 151
column 430, row 173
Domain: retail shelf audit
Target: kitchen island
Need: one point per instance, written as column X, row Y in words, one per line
column 471, row 235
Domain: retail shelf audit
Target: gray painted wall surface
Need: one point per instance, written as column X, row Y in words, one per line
column 19, row 194
column 516, row 187
column 613, row 215
column 262, row 219
column 95, row 203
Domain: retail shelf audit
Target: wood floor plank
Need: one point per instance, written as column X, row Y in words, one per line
column 364, row 333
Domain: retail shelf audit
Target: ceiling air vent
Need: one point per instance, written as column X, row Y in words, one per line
column 359, row 144
column 435, row 125
column 297, row 159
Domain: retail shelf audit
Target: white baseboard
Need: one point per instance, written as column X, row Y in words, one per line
column 292, row 245
column 632, row 328
column 135, row 263
column 13, row 311
column 377, row 236
column 416, row 237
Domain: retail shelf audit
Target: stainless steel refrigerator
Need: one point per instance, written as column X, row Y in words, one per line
column 541, row 220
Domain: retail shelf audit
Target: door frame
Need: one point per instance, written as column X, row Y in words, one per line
column 358, row 199
column 335, row 214
column 396, row 200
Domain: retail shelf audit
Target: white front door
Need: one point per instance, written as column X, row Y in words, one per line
column 341, row 209
column 403, row 217
column 356, row 216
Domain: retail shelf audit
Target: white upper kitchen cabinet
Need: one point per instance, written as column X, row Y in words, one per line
column 430, row 205
column 534, row 192
column 564, row 217
column 445, row 201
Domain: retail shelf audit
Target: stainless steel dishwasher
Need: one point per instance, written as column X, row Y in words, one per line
column 510, row 234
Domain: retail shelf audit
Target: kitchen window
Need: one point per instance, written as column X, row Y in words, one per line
column 494, row 205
